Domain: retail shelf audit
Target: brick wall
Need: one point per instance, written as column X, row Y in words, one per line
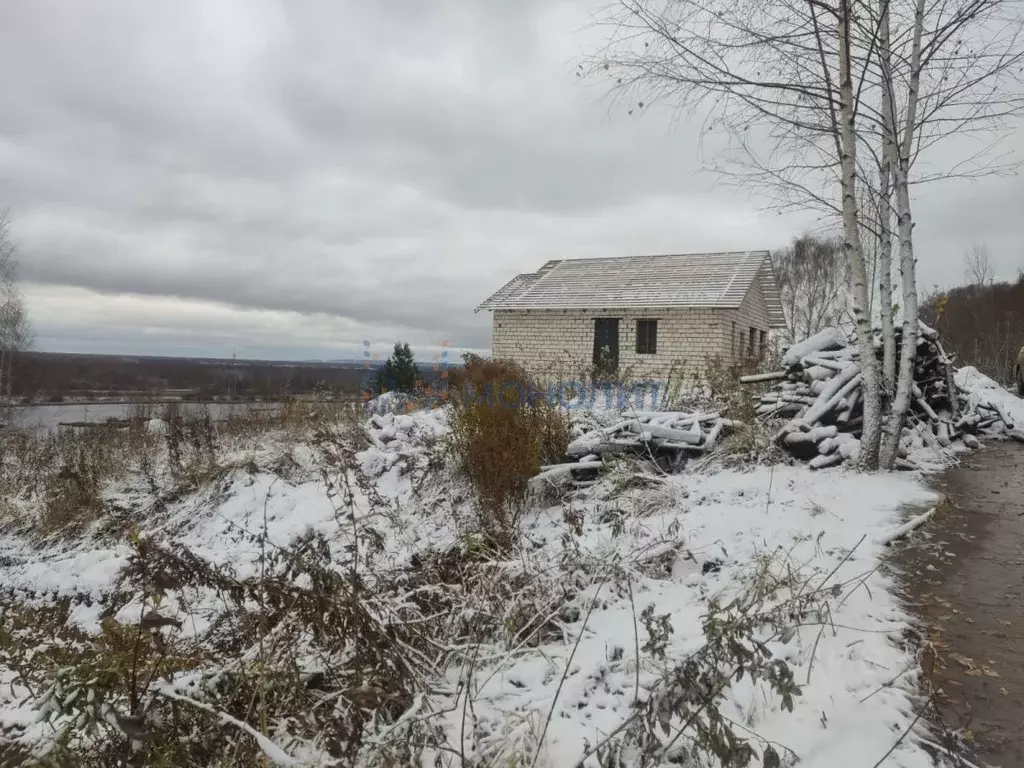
column 559, row 344
column 736, row 325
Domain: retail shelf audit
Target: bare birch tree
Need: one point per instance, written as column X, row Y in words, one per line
column 806, row 92
column 978, row 266
column 15, row 330
column 814, row 277
column 784, row 81
column 944, row 69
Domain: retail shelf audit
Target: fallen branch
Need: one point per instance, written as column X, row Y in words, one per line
column 903, row 530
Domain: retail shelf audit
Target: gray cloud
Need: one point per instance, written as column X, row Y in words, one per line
column 299, row 177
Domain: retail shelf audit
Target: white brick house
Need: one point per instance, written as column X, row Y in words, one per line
column 639, row 316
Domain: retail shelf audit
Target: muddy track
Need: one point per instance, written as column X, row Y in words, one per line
column 964, row 576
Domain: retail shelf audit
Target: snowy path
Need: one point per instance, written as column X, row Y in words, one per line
column 967, row 584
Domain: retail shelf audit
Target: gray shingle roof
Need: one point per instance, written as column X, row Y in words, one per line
column 688, row 281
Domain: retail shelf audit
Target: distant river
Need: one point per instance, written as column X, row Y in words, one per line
column 43, row 418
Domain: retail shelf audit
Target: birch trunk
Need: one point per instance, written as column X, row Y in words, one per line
column 885, row 279
column 885, row 202
column 852, row 242
column 884, row 244
column 900, row 163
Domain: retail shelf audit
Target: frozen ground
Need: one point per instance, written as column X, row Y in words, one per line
column 596, row 559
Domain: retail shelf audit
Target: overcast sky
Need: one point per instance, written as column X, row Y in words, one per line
column 289, row 179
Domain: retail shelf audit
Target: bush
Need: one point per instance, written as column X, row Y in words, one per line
column 753, row 441
column 502, row 431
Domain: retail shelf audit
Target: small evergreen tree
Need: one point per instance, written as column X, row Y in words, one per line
column 399, row 373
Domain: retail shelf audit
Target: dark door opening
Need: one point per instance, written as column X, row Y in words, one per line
column 606, row 346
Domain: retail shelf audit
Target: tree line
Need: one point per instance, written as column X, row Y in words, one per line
column 981, row 321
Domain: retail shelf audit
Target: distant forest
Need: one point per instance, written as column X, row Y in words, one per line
column 55, row 377
column 982, row 323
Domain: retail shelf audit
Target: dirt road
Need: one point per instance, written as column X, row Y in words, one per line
column 965, row 576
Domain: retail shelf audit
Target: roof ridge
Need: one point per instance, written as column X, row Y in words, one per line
column 744, row 254
column 714, row 280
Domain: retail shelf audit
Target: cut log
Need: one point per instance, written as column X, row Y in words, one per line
column 673, row 416
column 554, row 470
column 1003, row 415
column 757, row 377
column 668, row 433
column 849, row 448
column 572, row 465
column 820, row 462
column 851, row 403
column 843, row 383
column 811, row 363
column 827, row 446
column 712, row 437
column 828, row 339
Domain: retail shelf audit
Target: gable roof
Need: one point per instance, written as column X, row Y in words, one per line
column 686, row 281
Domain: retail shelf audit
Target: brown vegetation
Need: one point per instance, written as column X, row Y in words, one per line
column 982, row 324
column 62, row 475
column 502, row 431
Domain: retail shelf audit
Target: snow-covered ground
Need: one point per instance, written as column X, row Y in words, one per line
column 602, row 555
column 984, row 390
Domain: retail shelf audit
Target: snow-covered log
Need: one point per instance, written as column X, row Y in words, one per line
column 837, row 387
column 689, row 436
column 911, row 525
column 668, row 437
column 822, row 389
column 758, row 377
column 829, row 339
column 554, row 470
column 820, row 462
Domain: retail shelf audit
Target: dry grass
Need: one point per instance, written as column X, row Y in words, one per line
column 502, row 431
column 56, row 482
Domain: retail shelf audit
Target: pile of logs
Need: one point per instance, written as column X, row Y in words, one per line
column 670, row 438
column 819, row 392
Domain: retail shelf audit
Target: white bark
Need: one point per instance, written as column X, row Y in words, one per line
column 900, row 164
column 885, row 274
column 851, row 230
column 884, row 233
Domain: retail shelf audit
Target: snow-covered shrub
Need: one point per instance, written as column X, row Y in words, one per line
column 501, row 434
column 686, row 719
column 298, row 637
column 753, row 441
column 296, row 659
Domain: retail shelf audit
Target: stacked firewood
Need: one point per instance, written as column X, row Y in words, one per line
column 819, row 392
column 667, row 437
